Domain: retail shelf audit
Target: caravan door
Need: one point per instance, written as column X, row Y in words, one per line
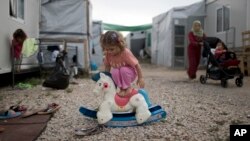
column 179, row 46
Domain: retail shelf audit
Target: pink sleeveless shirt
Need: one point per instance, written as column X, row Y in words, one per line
column 126, row 58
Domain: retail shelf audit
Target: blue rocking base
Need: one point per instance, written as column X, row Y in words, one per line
column 126, row 119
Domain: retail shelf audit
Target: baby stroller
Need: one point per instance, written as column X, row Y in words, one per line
column 220, row 70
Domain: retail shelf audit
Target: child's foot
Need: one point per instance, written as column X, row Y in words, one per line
column 125, row 92
column 122, row 93
column 192, row 77
column 128, row 91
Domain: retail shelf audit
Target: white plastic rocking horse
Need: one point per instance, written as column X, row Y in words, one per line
column 114, row 103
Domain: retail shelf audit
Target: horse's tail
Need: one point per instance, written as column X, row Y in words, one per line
column 145, row 95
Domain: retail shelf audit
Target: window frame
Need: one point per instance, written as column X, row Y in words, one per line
column 15, row 16
column 229, row 13
column 222, row 18
column 217, row 18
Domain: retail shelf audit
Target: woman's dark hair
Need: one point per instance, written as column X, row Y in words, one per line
column 19, row 33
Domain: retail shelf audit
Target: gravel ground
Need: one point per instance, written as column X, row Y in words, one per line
column 196, row 112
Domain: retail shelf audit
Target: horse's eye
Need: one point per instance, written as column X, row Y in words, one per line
column 105, row 85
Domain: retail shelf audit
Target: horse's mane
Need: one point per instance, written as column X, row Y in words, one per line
column 97, row 76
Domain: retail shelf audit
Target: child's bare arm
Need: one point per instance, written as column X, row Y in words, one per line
column 138, row 70
column 140, row 80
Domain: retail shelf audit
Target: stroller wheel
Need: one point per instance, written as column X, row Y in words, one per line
column 239, row 82
column 224, row 83
column 203, row 79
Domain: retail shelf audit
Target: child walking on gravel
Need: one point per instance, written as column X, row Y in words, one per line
column 120, row 62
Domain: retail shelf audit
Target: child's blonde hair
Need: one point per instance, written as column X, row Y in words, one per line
column 112, row 38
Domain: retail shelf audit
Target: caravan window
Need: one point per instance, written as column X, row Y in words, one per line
column 149, row 40
column 226, row 18
column 17, row 9
column 219, row 20
column 223, row 19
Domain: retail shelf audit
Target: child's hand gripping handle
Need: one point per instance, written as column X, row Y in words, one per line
column 140, row 83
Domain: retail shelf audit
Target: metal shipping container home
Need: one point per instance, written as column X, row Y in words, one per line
column 69, row 20
column 16, row 14
column 169, row 34
column 227, row 19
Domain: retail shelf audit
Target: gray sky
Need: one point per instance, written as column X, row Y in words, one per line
column 133, row 12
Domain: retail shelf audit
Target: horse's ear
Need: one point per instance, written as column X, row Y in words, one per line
column 102, row 75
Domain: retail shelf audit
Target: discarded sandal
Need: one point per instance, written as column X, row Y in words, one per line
column 89, row 131
column 33, row 112
column 52, row 108
column 9, row 114
column 19, row 108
